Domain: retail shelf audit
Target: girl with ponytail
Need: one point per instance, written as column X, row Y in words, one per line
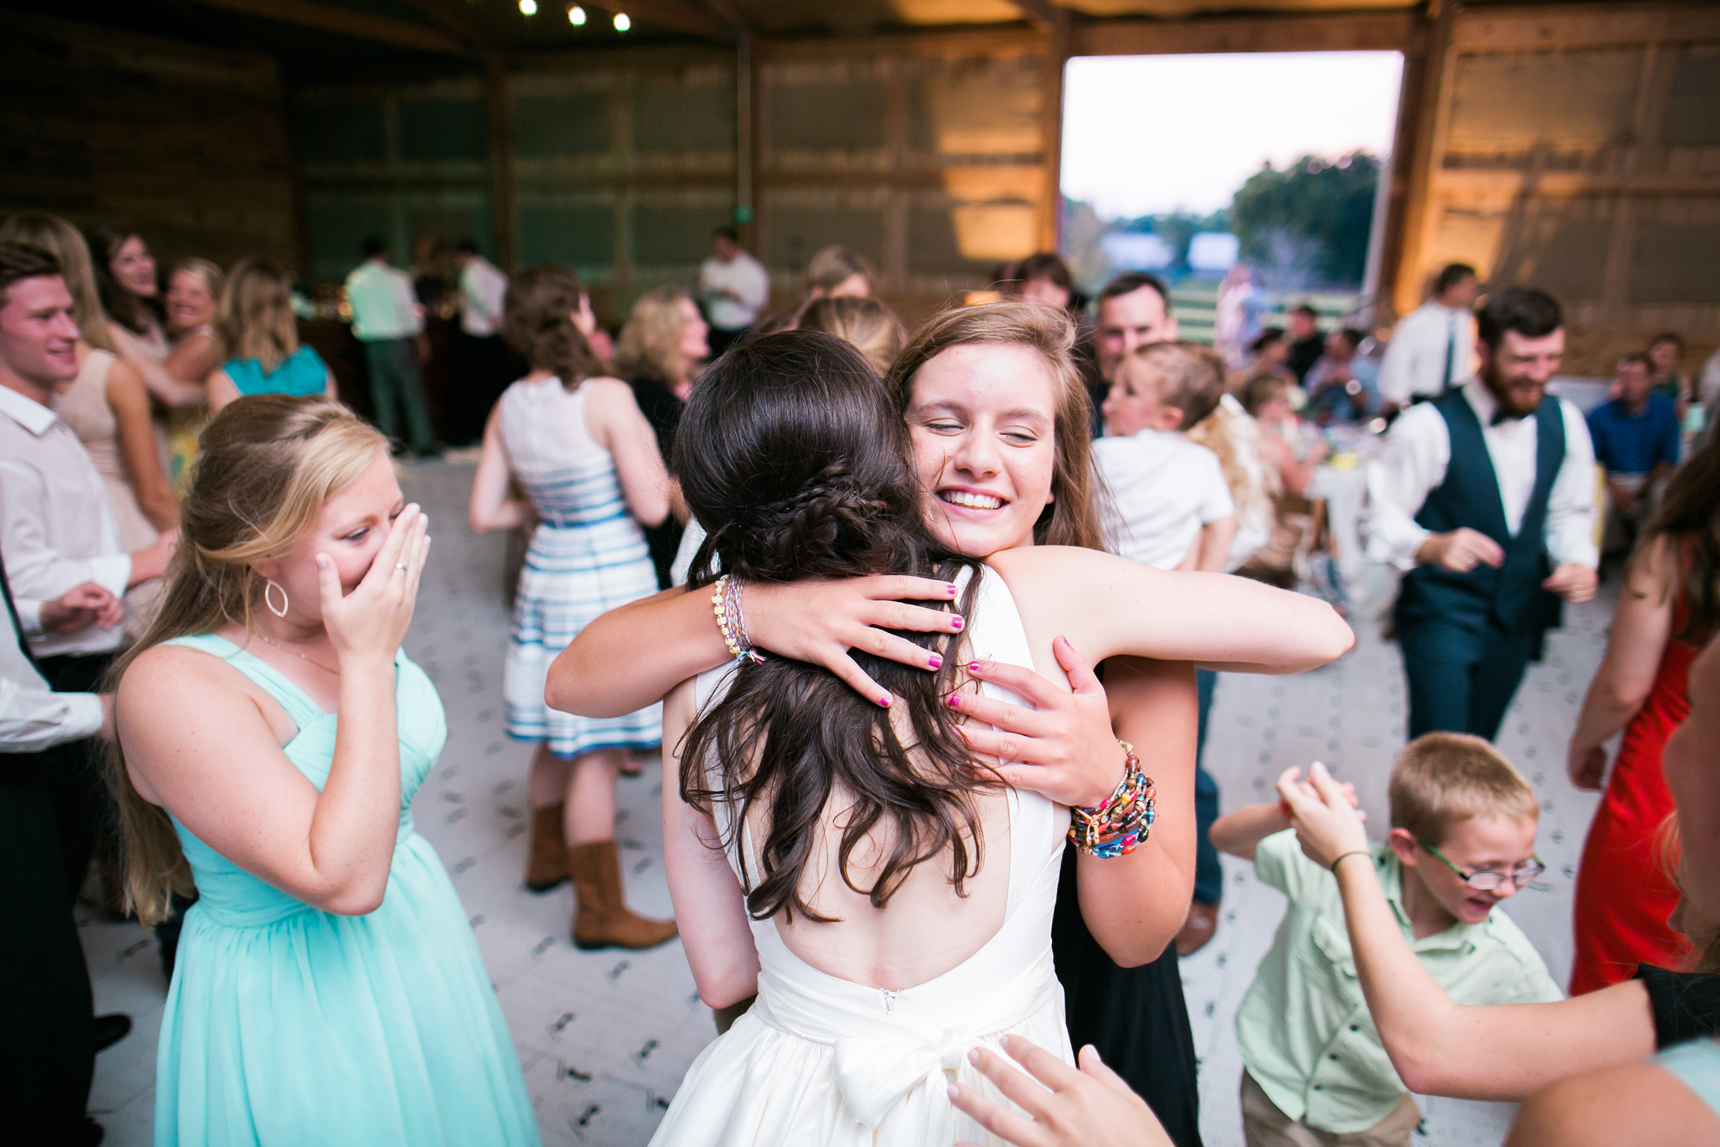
column 587, row 460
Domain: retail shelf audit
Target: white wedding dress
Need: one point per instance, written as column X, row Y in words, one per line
column 821, row 1060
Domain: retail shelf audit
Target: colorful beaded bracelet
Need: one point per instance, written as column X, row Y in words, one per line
column 726, row 604
column 1123, row 820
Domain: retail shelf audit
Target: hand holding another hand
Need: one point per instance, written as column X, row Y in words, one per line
column 1323, row 813
column 80, row 607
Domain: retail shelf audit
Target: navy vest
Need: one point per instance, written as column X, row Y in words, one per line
column 1508, row 599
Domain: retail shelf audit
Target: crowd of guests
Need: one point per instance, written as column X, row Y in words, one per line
column 943, row 584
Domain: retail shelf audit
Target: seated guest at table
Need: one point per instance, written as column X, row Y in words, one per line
column 1307, row 344
column 1269, row 353
column 1664, row 352
column 1342, row 385
column 1462, row 839
column 1636, row 443
column 262, row 337
column 1290, row 453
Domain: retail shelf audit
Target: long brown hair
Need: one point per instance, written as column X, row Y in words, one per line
column 537, row 321
column 1689, row 516
column 254, row 316
column 1072, row 518
column 133, row 312
column 796, row 460
column 268, row 462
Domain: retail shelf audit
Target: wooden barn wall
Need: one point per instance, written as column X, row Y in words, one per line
column 1578, row 149
column 187, row 145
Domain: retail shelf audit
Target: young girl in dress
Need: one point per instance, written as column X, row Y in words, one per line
column 998, row 419
column 271, row 735
column 900, row 894
column 587, row 459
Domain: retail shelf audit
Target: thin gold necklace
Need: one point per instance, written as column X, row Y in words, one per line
column 299, row 655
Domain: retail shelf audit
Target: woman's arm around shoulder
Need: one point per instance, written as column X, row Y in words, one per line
column 1644, row 1105
column 1107, row 605
column 710, row 906
column 490, row 507
column 613, row 417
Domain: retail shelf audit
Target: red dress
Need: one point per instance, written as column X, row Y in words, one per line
column 1624, row 893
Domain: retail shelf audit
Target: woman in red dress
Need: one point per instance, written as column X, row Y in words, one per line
column 1669, row 607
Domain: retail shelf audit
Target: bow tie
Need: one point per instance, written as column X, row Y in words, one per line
column 1503, row 415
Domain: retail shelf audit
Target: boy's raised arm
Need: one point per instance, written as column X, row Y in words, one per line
column 1238, row 833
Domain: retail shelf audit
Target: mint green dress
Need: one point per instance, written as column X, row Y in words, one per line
column 289, row 1025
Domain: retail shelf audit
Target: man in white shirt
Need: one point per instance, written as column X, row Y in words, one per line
column 46, row 784
column 387, row 319
column 734, row 287
column 1430, row 350
column 480, row 364
column 1486, row 498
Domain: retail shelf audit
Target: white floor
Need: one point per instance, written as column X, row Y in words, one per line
column 604, row 1038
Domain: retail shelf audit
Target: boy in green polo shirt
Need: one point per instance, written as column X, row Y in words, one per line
column 1462, row 839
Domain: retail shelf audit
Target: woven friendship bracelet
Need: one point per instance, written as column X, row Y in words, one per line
column 1123, row 820
column 726, row 604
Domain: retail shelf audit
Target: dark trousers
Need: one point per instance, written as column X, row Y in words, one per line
column 480, row 376
column 47, row 1056
column 1452, row 694
column 83, row 807
column 1208, row 876
column 396, row 378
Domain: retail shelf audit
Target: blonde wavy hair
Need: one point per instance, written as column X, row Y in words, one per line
column 868, row 325
column 650, row 340
column 66, row 244
column 254, row 318
column 267, row 465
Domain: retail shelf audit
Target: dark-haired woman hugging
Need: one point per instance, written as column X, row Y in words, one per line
column 888, row 896
column 997, row 419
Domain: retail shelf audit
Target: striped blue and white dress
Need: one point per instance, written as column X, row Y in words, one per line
column 587, row 557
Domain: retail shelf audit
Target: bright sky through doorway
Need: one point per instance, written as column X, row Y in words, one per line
column 1149, row 134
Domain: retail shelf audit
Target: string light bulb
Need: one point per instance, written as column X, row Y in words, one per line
column 528, row 7
column 576, row 16
column 622, row 23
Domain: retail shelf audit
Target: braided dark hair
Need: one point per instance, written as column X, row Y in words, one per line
column 792, row 454
column 537, row 321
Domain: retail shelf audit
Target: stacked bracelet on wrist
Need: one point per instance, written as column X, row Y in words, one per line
column 726, row 604
column 1122, row 821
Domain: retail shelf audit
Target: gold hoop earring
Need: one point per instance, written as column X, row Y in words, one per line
column 269, row 584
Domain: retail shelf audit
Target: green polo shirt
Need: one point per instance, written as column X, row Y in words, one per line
column 1304, row 1027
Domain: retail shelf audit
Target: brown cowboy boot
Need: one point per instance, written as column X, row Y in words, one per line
column 603, row 919
column 546, row 864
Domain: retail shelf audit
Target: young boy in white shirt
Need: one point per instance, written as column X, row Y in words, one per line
column 1169, row 507
column 1462, row 840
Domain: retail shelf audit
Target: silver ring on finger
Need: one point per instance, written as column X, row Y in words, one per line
column 402, row 566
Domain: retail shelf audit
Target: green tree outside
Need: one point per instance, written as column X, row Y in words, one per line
column 1312, row 217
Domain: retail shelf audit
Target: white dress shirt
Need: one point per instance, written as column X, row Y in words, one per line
column 1431, row 349
column 1163, row 489
column 1417, row 451
column 743, row 275
column 382, row 302
column 483, row 286
column 57, row 526
column 32, row 717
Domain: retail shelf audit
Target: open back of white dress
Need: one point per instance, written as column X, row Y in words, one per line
column 822, row 1060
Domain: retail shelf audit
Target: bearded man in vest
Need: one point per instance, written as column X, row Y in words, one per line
column 1485, row 498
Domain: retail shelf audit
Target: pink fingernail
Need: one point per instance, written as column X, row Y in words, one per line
column 884, row 701
column 973, row 1056
column 935, row 661
column 955, row 701
column 956, row 624
column 950, row 589
column 975, row 666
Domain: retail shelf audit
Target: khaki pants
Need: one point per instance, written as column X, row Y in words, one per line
column 1263, row 1125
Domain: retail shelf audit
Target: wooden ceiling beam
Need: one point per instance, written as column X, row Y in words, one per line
column 1348, row 32
column 346, row 22
column 453, row 23
column 1046, row 15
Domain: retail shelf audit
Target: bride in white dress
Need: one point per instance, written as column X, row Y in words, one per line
column 888, row 900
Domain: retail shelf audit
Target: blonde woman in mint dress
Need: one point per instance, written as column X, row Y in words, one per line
column 272, row 733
